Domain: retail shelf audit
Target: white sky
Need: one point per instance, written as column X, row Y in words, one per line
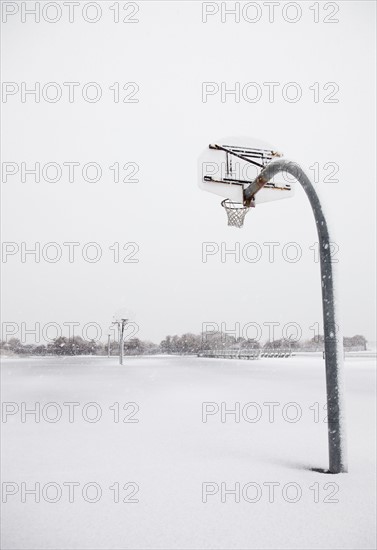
column 169, row 53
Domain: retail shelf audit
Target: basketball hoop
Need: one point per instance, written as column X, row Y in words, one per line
column 221, row 174
column 235, row 211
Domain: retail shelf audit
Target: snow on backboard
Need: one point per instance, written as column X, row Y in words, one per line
column 224, row 173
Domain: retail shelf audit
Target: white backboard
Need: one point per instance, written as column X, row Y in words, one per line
column 226, row 175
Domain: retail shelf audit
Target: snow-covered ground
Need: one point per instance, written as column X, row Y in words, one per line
column 178, row 467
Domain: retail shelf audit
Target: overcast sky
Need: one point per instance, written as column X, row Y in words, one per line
column 169, row 53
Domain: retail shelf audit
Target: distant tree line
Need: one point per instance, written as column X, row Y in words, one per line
column 187, row 344
column 59, row 346
column 78, row 346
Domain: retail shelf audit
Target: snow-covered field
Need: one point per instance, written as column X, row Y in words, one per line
column 177, row 467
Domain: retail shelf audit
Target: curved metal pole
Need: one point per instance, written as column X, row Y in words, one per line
column 332, row 334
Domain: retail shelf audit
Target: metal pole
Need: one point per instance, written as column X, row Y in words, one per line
column 332, row 333
column 121, row 343
column 120, row 328
column 108, row 345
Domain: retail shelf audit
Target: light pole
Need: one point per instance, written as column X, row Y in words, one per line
column 73, row 341
column 121, row 342
column 108, row 345
column 332, row 335
column 121, row 324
